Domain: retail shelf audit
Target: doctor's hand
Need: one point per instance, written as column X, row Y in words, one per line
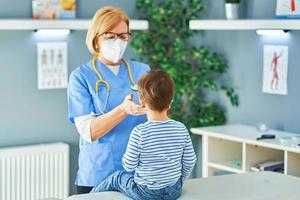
column 131, row 108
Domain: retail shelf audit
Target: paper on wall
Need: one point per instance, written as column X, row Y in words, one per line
column 52, row 65
column 275, row 69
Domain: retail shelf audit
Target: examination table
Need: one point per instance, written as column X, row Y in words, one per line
column 250, row 186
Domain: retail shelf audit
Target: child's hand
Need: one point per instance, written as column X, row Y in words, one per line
column 131, row 108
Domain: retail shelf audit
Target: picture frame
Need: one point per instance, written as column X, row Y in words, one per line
column 275, row 69
column 53, row 9
column 288, row 9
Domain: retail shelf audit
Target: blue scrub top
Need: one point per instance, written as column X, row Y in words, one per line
column 101, row 158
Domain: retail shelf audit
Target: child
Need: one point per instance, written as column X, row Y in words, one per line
column 159, row 151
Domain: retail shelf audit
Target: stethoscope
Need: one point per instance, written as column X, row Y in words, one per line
column 134, row 86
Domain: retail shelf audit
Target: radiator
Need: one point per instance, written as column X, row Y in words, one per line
column 34, row 172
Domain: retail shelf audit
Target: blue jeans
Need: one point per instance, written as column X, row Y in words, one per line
column 123, row 182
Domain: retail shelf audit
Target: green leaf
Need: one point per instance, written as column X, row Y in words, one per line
column 196, row 70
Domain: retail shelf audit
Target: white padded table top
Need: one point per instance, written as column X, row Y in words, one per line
column 250, row 186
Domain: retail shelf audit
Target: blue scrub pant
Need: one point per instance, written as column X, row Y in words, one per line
column 123, row 182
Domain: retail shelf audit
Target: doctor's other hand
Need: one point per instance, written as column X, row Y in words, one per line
column 131, row 108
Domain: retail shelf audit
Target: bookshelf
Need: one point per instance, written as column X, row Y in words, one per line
column 234, row 149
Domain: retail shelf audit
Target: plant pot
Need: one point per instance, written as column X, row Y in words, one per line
column 232, row 10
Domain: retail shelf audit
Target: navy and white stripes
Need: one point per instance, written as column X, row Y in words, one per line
column 159, row 152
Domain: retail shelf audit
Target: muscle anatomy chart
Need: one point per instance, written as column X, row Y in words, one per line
column 275, row 69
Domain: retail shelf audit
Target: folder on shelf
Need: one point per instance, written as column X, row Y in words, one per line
column 274, row 166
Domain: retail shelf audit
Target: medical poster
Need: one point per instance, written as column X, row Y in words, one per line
column 275, row 69
column 52, row 65
column 288, row 9
column 53, row 9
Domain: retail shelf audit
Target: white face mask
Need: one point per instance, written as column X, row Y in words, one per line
column 113, row 50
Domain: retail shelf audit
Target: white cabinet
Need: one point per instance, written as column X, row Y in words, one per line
column 234, row 149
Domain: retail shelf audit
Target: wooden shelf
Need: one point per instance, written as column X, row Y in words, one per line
column 76, row 24
column 257, row 154
column 291, row 24
column 226, row 166
column 247, row 134
column 224, row 146
column 83, row 24
column 293, row 163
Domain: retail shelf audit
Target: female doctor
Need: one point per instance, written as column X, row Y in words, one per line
column 103, row 98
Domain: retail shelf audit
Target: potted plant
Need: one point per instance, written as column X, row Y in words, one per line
column 232, row 9
column 197, row 72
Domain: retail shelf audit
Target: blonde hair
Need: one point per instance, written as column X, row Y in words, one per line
column 105, row 19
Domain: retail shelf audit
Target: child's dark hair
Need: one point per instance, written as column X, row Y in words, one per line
column 156, row 89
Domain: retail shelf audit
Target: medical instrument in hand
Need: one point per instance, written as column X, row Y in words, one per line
column 134, row 86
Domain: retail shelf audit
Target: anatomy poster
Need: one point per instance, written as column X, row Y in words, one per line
column 275, row 69
column 52, row 65
column 288, row 9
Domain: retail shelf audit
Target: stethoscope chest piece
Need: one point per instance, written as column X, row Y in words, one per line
column 134, row 87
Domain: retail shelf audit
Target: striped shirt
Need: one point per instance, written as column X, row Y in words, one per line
column 159, row 152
